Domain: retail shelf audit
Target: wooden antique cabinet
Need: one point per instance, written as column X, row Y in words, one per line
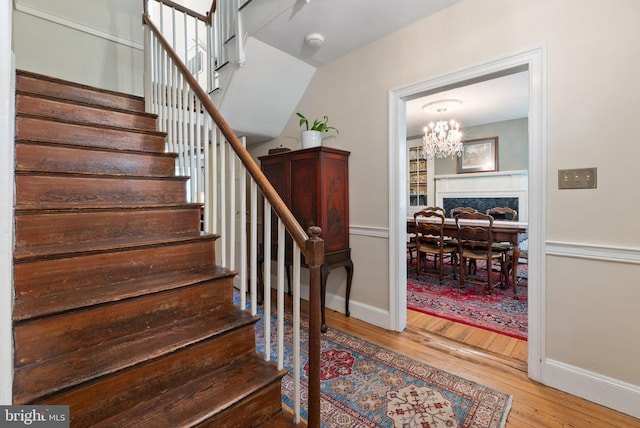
column 314, row 183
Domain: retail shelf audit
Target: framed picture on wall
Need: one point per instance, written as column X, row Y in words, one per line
column 479, row 155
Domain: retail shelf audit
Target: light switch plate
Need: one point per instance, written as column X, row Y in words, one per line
column 582, row 178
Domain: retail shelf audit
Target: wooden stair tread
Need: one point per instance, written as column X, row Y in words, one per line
column 106, row 149
column 50, row 130
column 56, row 303
column 54, row 191
column 74, row 112
column 126, row 389
column 88, row 363
column 48, row 231
column 99, row 177
column 28, row 81
column 73, row 249
column 38, row 158
column 110, row 208
column 61, row 276
column 199, row 399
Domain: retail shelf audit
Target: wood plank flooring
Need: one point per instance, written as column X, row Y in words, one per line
column 497, row 362
column 508, row 348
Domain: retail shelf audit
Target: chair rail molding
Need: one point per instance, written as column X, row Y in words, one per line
column 593, row 252
column 370, row 231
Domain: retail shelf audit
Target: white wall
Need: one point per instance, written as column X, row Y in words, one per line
column 6, row 201
column 592, row 62
column 98, row 43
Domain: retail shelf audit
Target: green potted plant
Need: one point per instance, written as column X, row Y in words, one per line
column 311, row 136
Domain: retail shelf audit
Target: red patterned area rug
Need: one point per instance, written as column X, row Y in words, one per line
column 470, row 304
column 365, row 385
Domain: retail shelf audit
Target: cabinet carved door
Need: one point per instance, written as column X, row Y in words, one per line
column 314, row 184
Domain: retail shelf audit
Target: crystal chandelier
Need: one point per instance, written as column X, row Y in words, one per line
column 442, row 139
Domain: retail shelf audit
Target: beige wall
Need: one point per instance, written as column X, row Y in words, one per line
column 98, row 43
column 593, row 56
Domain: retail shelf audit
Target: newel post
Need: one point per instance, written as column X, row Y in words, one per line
column 314, row 257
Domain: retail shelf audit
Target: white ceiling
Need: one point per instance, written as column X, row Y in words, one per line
column 345, row 24
column 348, row 25
column 494, row 100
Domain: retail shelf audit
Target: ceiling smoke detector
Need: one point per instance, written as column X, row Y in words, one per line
column 314, row 39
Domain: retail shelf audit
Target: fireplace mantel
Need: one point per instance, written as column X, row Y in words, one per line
column 502, row 184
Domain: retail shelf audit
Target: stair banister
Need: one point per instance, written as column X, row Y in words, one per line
column 191, row 20
column 180, row 8
column 294, row 228
column 312, row 247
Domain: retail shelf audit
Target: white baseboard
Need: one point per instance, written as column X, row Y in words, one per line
column 595, row 387
column 367, row 313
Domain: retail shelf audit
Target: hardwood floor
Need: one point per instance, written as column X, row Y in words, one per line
column 495, row 361
column 511, row 350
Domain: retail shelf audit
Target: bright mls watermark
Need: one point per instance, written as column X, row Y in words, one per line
column 34, row 416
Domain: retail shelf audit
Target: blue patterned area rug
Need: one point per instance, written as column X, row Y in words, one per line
column 365, row 385
column 470, row 304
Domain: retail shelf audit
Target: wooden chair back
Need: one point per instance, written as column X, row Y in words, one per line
column 475, row 231
column 437, row 209
column 503, row 213
column 475, row 242
column 429, row 227
column 458, row 210
column 430, row 239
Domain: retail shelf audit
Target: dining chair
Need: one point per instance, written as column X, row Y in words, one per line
column 430, row 239
column 459, row 210
column 475, row 239
column 411, row 247
column 511, row 265
column 503, row 213
column 411, row 241
column 506, row 214
column 436, row 209
column 453, row 213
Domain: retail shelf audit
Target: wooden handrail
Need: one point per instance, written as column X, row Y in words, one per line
column 186, row 10
column 212, row 9
column 312, row 247
column 290, row 222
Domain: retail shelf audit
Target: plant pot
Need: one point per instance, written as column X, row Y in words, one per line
column 310, row 139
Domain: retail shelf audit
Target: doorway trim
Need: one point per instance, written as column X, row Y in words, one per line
column 534, row 60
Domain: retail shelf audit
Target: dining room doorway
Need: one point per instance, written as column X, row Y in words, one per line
column 494, row 111
column 533, row 62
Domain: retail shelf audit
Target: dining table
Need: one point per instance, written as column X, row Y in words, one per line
column 502, row 231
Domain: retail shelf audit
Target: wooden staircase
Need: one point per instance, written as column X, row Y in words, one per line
column 120, row 311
